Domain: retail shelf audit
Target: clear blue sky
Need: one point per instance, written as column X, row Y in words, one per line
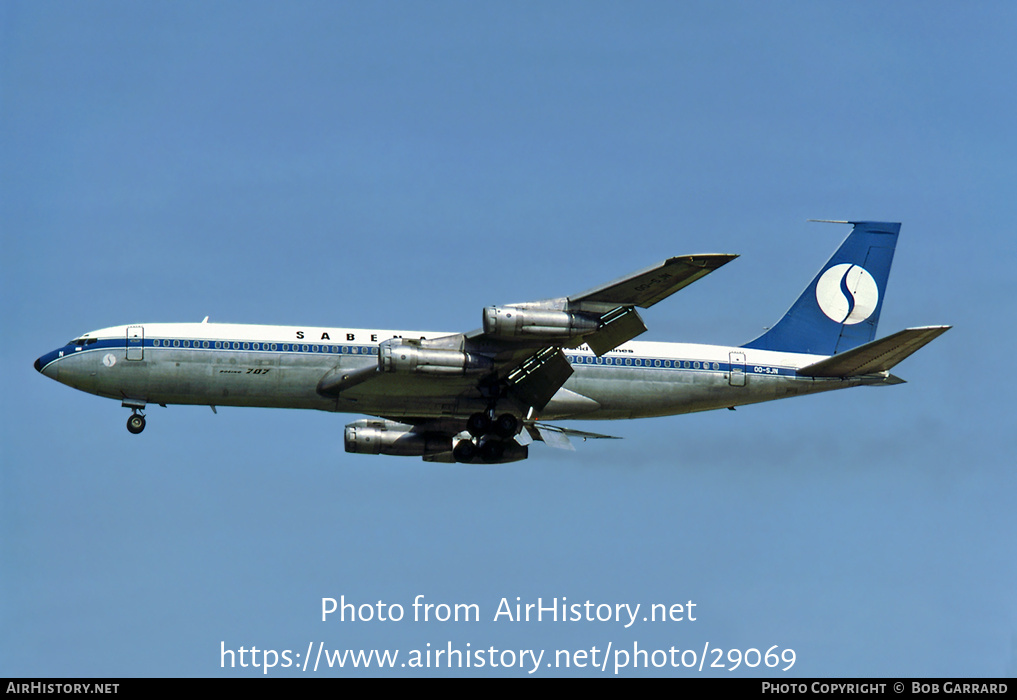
column 403, row 164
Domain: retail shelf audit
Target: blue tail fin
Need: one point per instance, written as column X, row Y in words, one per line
column 839, row 310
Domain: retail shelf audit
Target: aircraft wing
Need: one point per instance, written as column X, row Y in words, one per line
column 655, row 283
column 603, row 317
column 518, row 353
column 558, row 437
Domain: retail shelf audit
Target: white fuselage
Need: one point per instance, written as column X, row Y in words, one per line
column 281, row 367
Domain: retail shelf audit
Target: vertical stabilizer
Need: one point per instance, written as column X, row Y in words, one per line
column 839, row 310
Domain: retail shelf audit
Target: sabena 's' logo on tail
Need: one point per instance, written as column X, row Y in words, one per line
column 847, row 293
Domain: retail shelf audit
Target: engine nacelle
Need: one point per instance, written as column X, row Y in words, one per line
column 385, row 437
column 394, row 356
column 513, row 322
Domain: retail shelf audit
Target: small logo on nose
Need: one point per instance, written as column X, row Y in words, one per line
column 847, row 294
column 109, row 359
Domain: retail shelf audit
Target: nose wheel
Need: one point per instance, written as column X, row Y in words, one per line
column 136, row 423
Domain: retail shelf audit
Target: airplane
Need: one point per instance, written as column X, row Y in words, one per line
column 484, row 396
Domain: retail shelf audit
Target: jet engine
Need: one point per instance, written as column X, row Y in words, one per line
column 395, row 356
column 385, row 437
column 515, row 322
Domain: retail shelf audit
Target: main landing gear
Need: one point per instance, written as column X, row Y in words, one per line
column 490, row 437
column 480, row 424
column 136, row 423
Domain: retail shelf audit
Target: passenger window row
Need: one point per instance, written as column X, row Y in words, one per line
column 640, row 362
column 269, row 347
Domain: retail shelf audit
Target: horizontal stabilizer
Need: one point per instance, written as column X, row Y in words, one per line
column 876, row 356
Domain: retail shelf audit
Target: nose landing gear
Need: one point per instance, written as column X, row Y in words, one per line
column 136, row 423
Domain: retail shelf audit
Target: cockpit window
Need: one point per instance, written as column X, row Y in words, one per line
column 83, row 341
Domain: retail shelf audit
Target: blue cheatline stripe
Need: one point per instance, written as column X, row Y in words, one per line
column 628, row 362
column 671, row 364
column 153, row 344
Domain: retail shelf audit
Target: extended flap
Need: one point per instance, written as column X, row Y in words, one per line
column 537, row 379
column 620, row 326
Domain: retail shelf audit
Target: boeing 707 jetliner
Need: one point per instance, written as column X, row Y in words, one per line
column 483, row 396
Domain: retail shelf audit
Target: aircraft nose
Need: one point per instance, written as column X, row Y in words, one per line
column 45, row 360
